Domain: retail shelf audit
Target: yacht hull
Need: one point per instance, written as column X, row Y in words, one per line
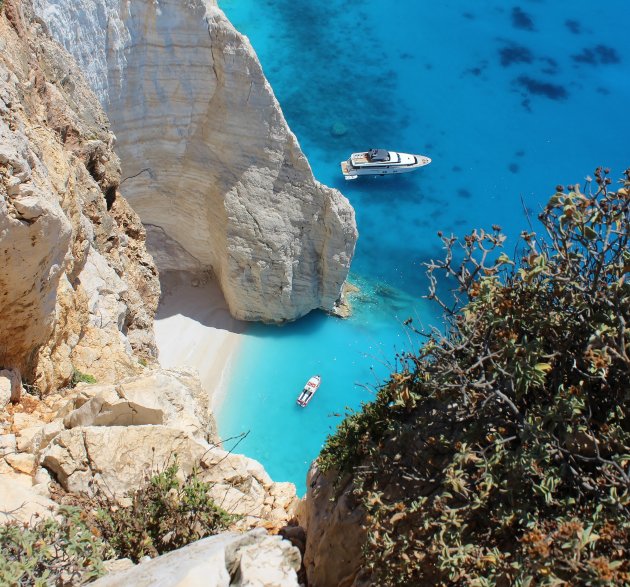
column 358, row 164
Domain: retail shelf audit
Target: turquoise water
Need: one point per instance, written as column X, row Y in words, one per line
column 507, row 99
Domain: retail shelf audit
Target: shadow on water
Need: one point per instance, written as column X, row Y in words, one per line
column 390, row 189
column 307, row 325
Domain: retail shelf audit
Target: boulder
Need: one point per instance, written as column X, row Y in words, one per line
column 254, row 559
column 119, row 459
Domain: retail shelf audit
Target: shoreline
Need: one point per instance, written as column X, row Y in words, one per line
column 194, row 329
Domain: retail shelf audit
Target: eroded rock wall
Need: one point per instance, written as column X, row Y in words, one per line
column 77, row 288
column 215, row 173
column 334, row 524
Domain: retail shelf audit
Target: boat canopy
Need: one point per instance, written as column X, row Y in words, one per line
column 378, row 155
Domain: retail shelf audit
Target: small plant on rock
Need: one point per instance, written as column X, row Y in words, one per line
column 65, row 550
column 79, row 377
column 164, row 515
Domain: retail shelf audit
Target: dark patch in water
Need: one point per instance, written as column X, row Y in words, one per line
column 406, row 56
column 540, row 88
column 513, row 167
column 603, row 91
column 551, row 66
column 527, row 104
column 522, row 20
column 519, row 153
column 312, row 36
column 469, row 15
column 456, row 168
column 574, row 26
column 599, row 55
column 461, row 222
column 515, row 54
column 464, row 193
column 476, row 71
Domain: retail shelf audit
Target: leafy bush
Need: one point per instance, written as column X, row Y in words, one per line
column 79, row 377
column 164, row 515
column 499, row 454
column 62, row 551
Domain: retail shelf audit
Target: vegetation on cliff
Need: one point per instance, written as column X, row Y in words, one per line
column 499, row 453
column 163, row 515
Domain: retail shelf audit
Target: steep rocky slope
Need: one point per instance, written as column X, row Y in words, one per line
column 77, row 288
column 214, row 172
column 78, row 292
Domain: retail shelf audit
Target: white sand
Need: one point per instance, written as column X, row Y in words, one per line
column 193, row 328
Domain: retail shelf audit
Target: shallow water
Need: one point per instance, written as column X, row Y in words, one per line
column 507, row 99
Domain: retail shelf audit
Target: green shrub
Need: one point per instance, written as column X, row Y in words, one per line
column 62, row 551
column 164, row 515
column 499, row 453
column 79, row 377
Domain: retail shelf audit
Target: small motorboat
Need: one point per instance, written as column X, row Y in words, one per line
column 309, row 390
column 381, row 162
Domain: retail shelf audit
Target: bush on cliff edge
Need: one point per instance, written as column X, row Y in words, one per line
column 499, row 454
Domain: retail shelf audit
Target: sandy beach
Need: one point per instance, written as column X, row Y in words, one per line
column 194, row 328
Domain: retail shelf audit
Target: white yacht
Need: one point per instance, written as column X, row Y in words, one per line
column 381, row 162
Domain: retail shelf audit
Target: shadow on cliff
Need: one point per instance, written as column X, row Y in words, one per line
column 196, row 297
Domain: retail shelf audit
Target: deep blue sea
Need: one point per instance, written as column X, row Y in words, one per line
column 509, row 100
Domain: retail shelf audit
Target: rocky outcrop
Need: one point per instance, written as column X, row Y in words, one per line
column 333, row 520
column 113, row 438
column 119, row 459
column 253, row 559
column 77, row 287
column 213, row 169
column 166, row 397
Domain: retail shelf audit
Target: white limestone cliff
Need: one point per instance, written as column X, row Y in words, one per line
column 215, row 173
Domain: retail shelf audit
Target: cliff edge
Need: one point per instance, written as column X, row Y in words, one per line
column 78, row 288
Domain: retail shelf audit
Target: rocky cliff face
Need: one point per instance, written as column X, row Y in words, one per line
column 77, row 287
column 214, row 172
column 334, row 523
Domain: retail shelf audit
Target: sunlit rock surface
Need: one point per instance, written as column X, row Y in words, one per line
column 214, row 171
column 77, row 287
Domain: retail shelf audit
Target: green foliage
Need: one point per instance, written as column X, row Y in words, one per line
column 164, row 515
column 499, row 453
column 61, row 551
column 79, row 377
